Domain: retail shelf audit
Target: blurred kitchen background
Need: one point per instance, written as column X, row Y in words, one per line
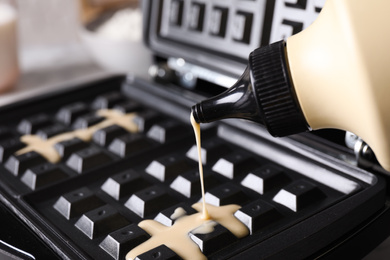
column 65, row 42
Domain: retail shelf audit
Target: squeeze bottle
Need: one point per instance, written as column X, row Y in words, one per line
column 334, row 74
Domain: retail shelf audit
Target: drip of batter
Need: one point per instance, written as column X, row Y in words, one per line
column 196, row 127
column 46, row 147
column 205, row 228
column 176, row 237
column 178, row 213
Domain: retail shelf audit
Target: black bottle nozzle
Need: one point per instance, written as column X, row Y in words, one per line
column 263, row 94
column 237, row 102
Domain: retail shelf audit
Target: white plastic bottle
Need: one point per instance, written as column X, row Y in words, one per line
column 334, row 74
column 340, row 68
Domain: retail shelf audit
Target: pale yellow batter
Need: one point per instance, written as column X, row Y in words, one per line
column 46, row 147
column 196, row 127
column 176, row 237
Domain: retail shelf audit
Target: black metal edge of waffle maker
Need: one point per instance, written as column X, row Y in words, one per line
column 349, row 230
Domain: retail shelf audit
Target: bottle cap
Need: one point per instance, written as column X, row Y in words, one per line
column 274, row 92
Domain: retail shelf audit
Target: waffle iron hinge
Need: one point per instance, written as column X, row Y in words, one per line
column 365, row 157
column 188, row 73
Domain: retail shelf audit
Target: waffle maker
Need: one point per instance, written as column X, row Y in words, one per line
column 309, row 196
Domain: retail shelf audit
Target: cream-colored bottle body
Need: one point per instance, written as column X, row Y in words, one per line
column 340, row 68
